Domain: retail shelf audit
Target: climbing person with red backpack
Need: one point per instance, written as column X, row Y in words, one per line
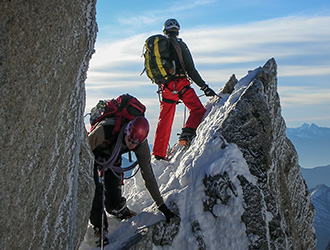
column 119, row 126
column 169, row 64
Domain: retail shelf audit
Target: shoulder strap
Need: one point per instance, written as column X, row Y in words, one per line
column 109, row 163
column 108, row 131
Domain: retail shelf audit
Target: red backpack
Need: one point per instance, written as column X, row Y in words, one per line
column 125, row 108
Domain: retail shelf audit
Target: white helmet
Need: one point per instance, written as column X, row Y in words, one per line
column 171, row 24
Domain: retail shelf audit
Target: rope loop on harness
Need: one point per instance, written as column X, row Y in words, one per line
column 109, row 164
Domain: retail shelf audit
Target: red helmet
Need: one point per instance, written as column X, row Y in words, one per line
column 137, row 130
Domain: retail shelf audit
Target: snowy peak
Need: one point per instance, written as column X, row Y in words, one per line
column 309, row 131
column 238, row 186
column 312, row 144
column 254, row 123
column 321, row 202
column 318, row 182
column 321, row 190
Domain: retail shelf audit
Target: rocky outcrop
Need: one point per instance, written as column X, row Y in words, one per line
column 321, row 201
column 46, row 185
column 278, row 210
column 161, row 234
column 239, row 185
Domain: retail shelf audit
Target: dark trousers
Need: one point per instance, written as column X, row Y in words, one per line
column 113, row 197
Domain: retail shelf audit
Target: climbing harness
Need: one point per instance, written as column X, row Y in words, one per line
column 109, row 164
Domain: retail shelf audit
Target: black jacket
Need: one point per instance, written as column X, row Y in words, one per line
column 188, row 63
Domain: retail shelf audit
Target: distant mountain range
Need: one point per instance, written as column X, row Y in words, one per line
column 316, row 176
column 312, row 144
column 321, row 202
column 318, row 183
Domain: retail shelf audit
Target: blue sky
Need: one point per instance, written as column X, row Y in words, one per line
column 225, row 38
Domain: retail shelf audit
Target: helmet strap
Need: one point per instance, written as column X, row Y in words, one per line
column 172, row 33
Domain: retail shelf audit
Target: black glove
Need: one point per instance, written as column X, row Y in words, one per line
column 208, row 91
column 168, row 213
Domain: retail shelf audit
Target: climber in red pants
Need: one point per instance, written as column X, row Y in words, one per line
column 167, row 111
column 179, row 89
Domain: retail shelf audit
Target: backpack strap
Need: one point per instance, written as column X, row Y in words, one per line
column 178, row 51
column 107, row 124
column 124, row 102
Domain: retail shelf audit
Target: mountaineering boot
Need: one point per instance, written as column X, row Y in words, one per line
column 158, row 158
column 122, row 212
column 97, row 236
column 125, row 214
column 186, row 136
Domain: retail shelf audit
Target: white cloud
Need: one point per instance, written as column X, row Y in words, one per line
column 254, row 42
column 279, row 38
column 119, row 53
column 300, row 44
column 278, row 30
column 297, row 96
column 293, row 120
column 163, row 11
column 311, row 70
column 115, row 79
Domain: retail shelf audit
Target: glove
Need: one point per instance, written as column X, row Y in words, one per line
column 168, row 213
column 208, row 91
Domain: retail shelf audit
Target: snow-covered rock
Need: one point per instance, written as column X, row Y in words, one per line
column 46, row 164
column 284, row 218
column 238, row 186
column 317, row 180
column 321, row 202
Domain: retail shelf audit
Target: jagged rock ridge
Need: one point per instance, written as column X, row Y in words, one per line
column 258, row 128
column 46, row 163
column 262, row 193
column 46, row 184
column 321, row 201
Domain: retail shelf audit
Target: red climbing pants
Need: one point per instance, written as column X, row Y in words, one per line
column 176, row 90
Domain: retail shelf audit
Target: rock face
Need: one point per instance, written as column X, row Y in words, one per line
column 328, row 247
column 239, row 185
column 321, row 202
column 278, row 210
column 46, row 185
